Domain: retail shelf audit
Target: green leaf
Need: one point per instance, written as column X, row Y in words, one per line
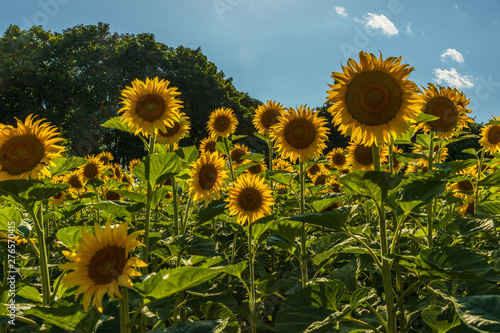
column 261, row 136
column 467, row 227
column 493, row 179
column 161, row 167
column 423, row 190
column 30, row 293
column 9, row 215
column 375, row 185
column 424, row 118
column 192, row 245
column 282, row 177
column 168, row 282
column 216, row 310
column 491, row 206
column 440, row 319
column 69, row 236
column 471, row 151
column 335, row 219
column 117, row 123
column 64, row 165
column 405, row 138
column 253, row 157
column 212, row 210
column 188, row 154
column 45, row 190
column 120, row 209
column 320, row 205
column 200, row 326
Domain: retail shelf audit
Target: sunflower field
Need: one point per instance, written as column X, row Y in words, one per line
column 387, row 235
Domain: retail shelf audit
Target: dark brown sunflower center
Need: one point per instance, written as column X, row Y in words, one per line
column 465, row 185
column 256, row 169
column 57, row 196
column 470, row 208
column 74, row 182
column 314, row 169
column 446, row 110
column 494, row 135
column 363, row 155
column 335, row 188
column 221, row 123
column 117, row 172
column 107, row 264
column 320, row 180
column 90, row 170
column 104, row 159
column 207, row 176
column 210, row 146
column 250, row 199
column 373, row 98
column 171, row 131
column 269, row 118
column 339, row 159
column 21, row 154
column 300, row 133
column 237, row 154
column 112, row 196
column 150, row 107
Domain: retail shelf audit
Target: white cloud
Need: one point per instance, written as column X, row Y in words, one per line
column 341, row 11
column 453, row 54
column 381, row 22
column 408, row 30
column 452, row 78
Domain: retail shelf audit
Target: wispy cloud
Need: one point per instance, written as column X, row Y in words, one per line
column 453, row 54
column 341, row 11
column 452, row 78
column 381, row 22
column 408, row 30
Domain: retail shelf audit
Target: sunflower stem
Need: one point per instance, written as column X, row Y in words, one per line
column 186, row 215
column 44, row 264
column 226, row 145
column 124, row 313
column 303, row 236
column 376, row 157
column 430, row 204
column 479, row 171
column 149, row 197
column 391, row 162
column 252, row 301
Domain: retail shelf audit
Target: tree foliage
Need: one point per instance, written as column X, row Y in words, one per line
column 74, row 79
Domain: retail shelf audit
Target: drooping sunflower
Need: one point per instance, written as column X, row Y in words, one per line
column 208, row 145
column 105, row 157
column 266, row 115
column 250, row 198
column 237, row 153
column 300, row 134
column 338, row 159
column 111, row 195
column 373, row 100
column 207, row 177
column 465, row 187
column 93, row 169
column 101, row 264
column 149, row 106
column 27, row 149
column 361, row 157
column 257, row 169
column 490, row 138
column 175, row 132
column 222, row 122
column 449, row 105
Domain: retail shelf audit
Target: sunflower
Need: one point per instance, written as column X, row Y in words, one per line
column 207, row 177
column 281, row 164
column 208, row 145
column 338, row 159
column 105, row 157
column 58, row 198
column 439, row 151
column 420, row 165
column 374, row 99
column 465, row 187
column 27, row 149
column 175, row 132
column 237, row 153
column 314, row 169
column 449, row 105
column 396, row 165
column 150, row 106
column 102, row 264
column 361, row 157
column 117, row 171
column 490, row 138
column 222, row 122
column 250, row 198
column 300, row 134
column 133, row 164
column 322, row 177
column 112, row 195
column 77, row 186
column 467, row 206
column 257, row 169
column 266, row 115
column 93, row 169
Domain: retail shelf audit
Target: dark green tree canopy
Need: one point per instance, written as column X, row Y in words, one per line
column 74, row 80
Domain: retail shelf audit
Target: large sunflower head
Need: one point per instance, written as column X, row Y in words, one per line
column 27, row 149
column 361, row 157
column 101, row 264
column 373, row 100
column 250, row 198
column 208, row 145
column 74, row 180
column 176, row 131
column 237, row 153
column 300, row 134
column 449, row 105
column 93, row 169
column 266, row 115
column 490, row 138
column 222, row 122
column 207, row 177
column 150, row 106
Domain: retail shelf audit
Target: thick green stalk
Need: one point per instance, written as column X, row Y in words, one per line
column 175, row 203
column 124, row 314
column 430, row 204
column 376, row 157
column 252, row 301
column 303, row 236
column 479, row 172
column 149, row 197
column 44, row 262
column 391, row 162
column 226, row 144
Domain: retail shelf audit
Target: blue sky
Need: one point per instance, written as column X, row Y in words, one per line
column 286, row 50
